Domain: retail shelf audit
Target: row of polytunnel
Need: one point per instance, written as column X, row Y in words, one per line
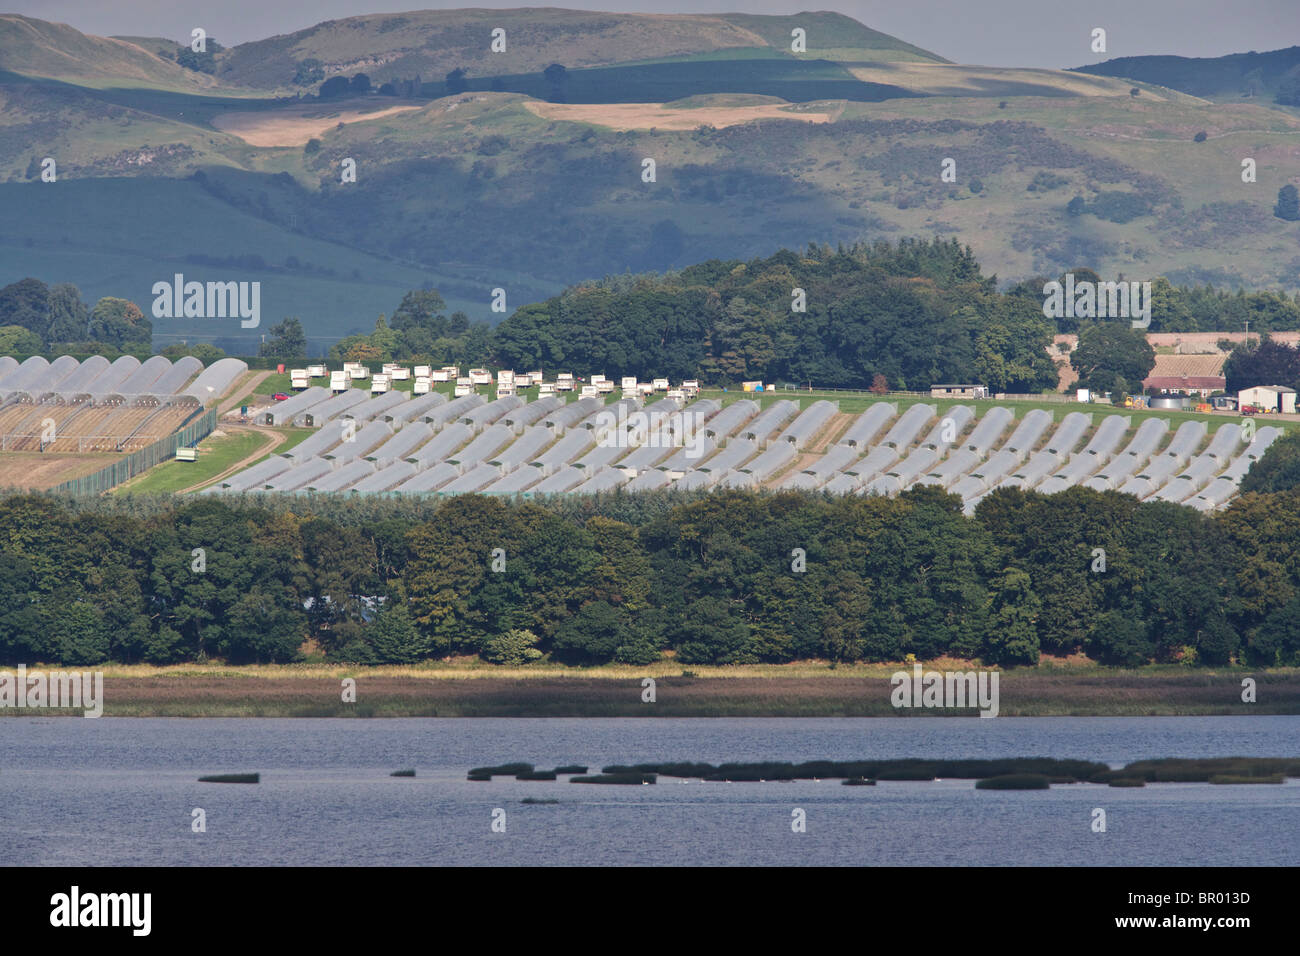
column 395, row 443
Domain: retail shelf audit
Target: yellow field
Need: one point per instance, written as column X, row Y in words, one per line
column 294, row 126
column 625, row 116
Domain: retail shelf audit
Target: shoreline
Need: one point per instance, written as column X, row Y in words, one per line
column 316, row 691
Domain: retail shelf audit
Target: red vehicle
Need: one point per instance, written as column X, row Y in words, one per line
column 280, row 397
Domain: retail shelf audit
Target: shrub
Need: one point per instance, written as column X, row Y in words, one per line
column 511, row 649
column 536, row 775
column 232, row 778
column 571, row 768
column 402, row 773
column 1127, row 782
column 1234, row 778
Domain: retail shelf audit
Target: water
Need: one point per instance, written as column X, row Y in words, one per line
column 121, row 792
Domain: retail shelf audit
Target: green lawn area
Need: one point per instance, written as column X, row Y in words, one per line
column 216, row 454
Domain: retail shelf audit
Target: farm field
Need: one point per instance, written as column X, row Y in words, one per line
column 39, row 471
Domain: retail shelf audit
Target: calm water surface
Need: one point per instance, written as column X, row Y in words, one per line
column 121, row 791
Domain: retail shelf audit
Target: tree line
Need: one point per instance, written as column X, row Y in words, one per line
column 721, row 578
column 908, row 314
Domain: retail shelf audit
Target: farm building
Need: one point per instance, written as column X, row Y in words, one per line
column 959, row 391
column 1274, row 398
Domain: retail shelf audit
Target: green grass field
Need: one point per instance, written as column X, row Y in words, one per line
column 216, row 454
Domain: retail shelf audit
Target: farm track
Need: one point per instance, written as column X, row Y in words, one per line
column 243, row 388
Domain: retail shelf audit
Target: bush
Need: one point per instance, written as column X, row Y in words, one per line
column 1234, row 779
column 1127, row 782
column 571, row 768
column 536, row 775
column 511, row 649
column 402, row 773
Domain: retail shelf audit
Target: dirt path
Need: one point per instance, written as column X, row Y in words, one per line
column 814, row 450
column 242, row 389
column 274, row 441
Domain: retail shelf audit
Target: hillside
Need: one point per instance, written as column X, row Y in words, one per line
column 528, row 184
column 1233, row 77
column 37, row 48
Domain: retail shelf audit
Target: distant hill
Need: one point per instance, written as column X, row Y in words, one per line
column 529, row 183
column 1234, row 76
column 432, row 43
column 37, row 48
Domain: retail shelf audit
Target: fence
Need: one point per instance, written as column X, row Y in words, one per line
column 993, row 397
column 195, row 428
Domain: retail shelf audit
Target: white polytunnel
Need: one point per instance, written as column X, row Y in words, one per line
column 215, row 380
column 331, row 408
column 769, row 420
column 1068, row 433
column 524, row 449
column 731, row 418
column 402, row 445
column 905, row 431
column 343, row 477
column 1029, row 432
column 415, row 408
column 868, row 425
column 442, row 445
column 809, row 422
column 988, row 430
column 950, row 425
column 385, row 478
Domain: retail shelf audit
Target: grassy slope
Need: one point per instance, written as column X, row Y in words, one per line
column 39, row 48
column 216, row 454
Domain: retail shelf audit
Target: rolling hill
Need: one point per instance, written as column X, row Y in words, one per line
column 527, row 183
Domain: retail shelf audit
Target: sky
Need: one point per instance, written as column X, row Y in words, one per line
column 1030, row 33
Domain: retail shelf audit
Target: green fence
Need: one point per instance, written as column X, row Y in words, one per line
column 196, row 428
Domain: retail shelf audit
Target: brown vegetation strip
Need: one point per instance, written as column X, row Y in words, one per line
column 1028, row 695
